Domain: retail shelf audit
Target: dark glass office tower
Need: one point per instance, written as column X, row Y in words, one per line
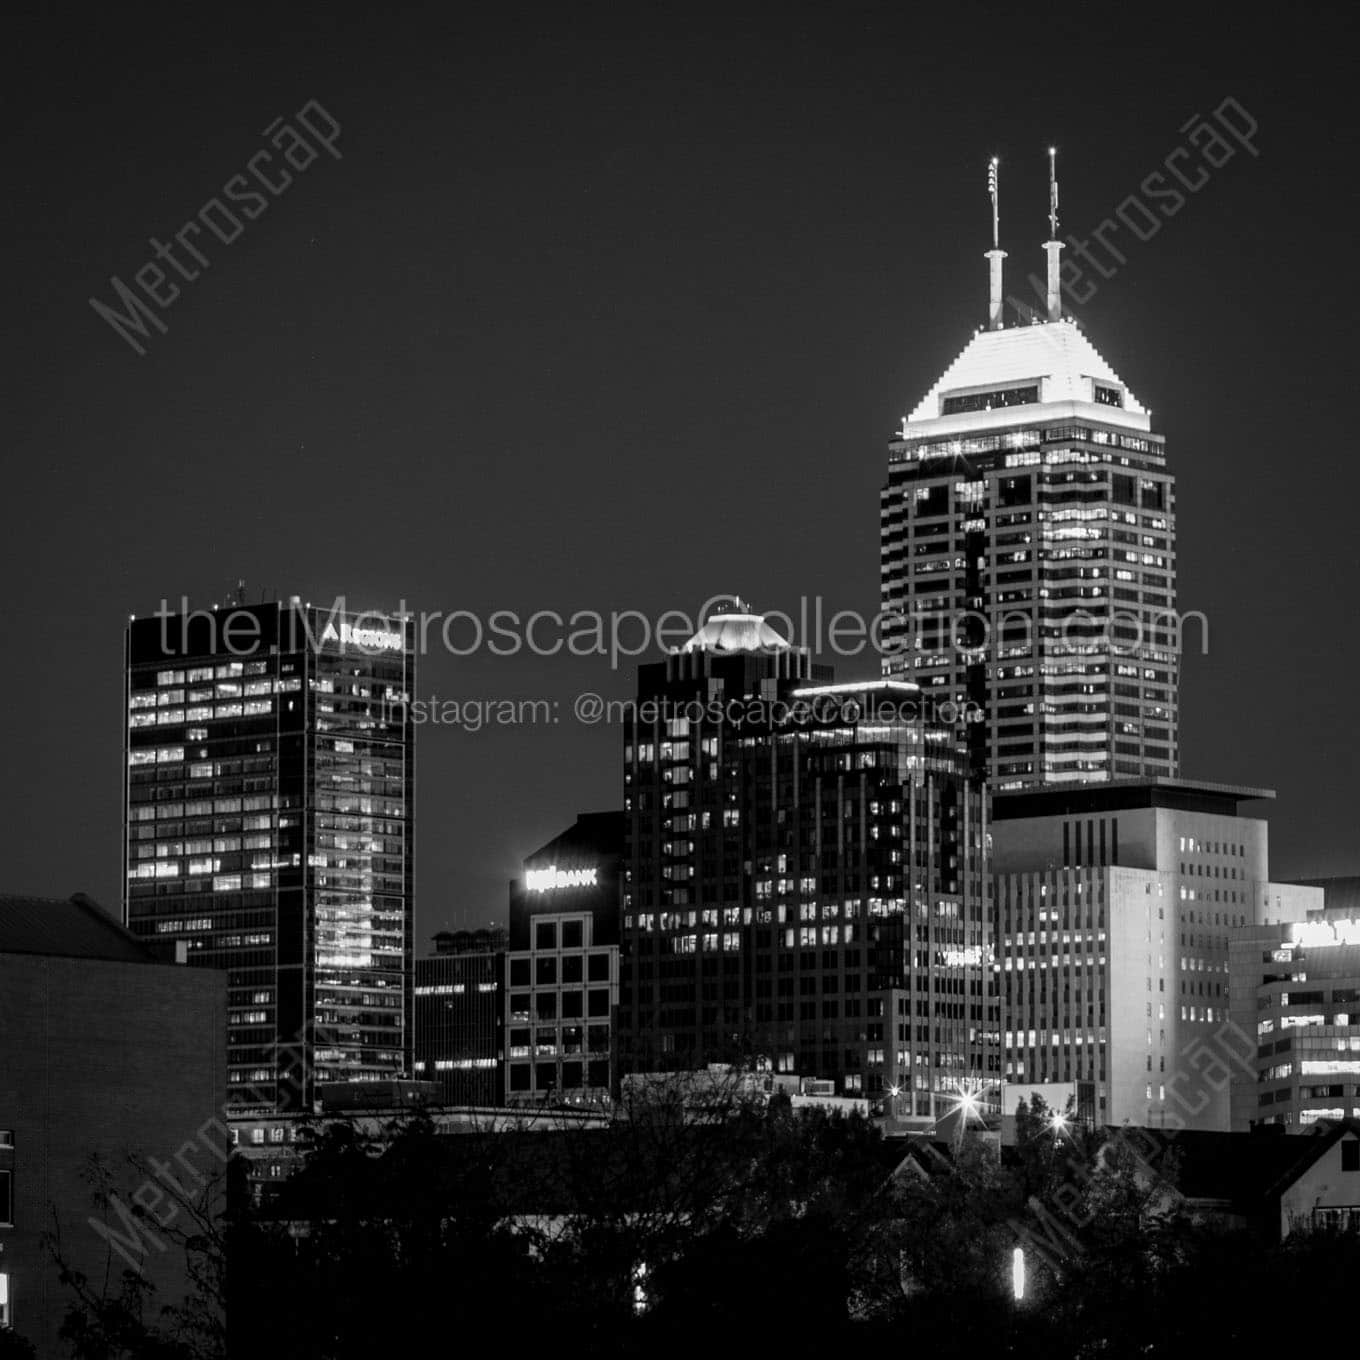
column 270, row 778
column 807, row 883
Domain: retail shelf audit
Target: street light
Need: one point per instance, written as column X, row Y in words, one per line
column 1018, row 1273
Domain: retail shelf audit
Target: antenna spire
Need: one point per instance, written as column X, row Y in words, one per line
column 1052, row 193
column 995, row 255
column 1053, row 246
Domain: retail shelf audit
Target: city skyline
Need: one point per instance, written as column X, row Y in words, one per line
column 576, row 362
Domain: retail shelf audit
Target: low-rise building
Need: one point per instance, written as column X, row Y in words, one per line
column 110, row 1057
column 1296, row 992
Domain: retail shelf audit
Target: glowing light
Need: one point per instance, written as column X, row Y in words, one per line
column 545, row 880
column 1018, row 1273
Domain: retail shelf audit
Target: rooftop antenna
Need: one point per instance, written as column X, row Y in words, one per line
column 1053, row 246
column 995, row 255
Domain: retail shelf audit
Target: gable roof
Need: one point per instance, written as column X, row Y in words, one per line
column 73, row 927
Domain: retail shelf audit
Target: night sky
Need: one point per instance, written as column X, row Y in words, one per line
column 608, row 309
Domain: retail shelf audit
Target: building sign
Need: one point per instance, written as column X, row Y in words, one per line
column 367, row 639
column 546, row 880
column 1325, row 934
column 962, row 958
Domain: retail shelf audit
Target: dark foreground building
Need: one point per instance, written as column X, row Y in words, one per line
column 108, row 1053
column 807, row 883
column 459, row 1017
column 268, row 828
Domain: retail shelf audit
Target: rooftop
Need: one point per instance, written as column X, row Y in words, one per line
column 1188, row 795
column 736, row 629
column 1056, row 358
column 72, row 927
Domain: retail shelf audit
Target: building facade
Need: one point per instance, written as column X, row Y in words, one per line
column 561, row 1011
column 460, row 1017
column 1028, row 559
column 1296, row 992
column 807, row 883
column 1115, row 907
column 108, row 1054
column 268, row 827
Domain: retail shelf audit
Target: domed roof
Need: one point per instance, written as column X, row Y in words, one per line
column 734, row 628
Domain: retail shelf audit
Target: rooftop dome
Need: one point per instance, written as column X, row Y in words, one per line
column 733, row 628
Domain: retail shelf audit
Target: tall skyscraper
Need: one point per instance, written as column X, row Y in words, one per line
column 268, row 827
column 806, row 880
column 1028, row 554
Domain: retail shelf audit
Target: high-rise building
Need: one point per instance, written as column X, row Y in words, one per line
column 268, row 828
column 1296, row 992
column 1115, row 907
column 1028, row 556
column 562, row 1000
column 806, row 881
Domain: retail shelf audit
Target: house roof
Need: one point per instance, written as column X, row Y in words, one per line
column 1246, row 1169
column 74, row 927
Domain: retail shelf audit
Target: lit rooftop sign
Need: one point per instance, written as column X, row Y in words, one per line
column 368, row 639
column 1324, row 934
column 551, row 878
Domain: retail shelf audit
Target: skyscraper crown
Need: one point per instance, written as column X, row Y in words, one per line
column 1000, row 371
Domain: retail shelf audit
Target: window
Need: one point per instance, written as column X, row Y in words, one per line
column 599, row 967
column 6, row 1138
column 571, row 934
column 7, row 1199
column 6, row 1319
column 1350, row 1155
column 545, row 936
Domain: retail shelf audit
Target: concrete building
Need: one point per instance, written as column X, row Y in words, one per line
column 1028, row 555
column 1296, row 992
column 108, row 1053
column 807, row 879
column 1115, row 906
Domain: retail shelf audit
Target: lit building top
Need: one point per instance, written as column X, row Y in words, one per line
column 1003, row 375
column 736, row 629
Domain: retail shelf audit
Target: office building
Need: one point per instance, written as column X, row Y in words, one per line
column 460, row 1017
column 1028, row 555
column 579, row 870
column 1296, row 992
column 110, row 1056
column 268, row 829
column 1115, row 906
column 807, row 885
column 561, row 1010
